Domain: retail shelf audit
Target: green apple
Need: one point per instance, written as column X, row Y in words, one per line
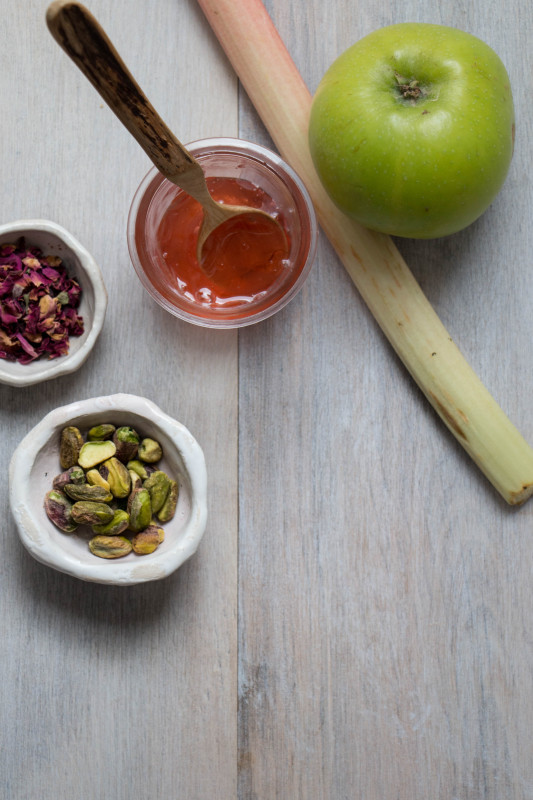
column 412, row 129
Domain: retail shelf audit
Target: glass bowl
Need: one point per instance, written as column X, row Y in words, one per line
column 283, row 194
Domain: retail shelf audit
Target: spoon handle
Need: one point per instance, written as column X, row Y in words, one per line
column 84, row 40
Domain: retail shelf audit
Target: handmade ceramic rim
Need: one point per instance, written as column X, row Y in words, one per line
column 260, row 158
column 31, row 471
column 92, row 307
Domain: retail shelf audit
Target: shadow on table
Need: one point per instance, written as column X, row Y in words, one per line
column 53, row 595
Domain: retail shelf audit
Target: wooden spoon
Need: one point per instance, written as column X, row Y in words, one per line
column 84, row 40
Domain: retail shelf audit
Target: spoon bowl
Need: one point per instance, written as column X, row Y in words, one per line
column 216, row 214
column 81, row 36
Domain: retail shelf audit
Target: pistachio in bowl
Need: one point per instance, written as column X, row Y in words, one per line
column 110, row 490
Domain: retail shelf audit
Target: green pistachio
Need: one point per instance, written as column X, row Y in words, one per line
column 71, row 475
column 118, row 524
column 77, row 475
column 89, row 512
column 150, row 451
column 93, row 453
column 126, row 441
column 59, row 510
column 87, row 492
column 168, row 508
column 117, row 476
column 70, row 444
column 148, row 540
column 136, row 481
column 138, row 467
column 139, row 509
column 158, row 484
column 95, row 479
column 101, row 432
column 110, row 546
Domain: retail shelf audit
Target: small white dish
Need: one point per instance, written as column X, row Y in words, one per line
column 53, row 239
column 35, row 463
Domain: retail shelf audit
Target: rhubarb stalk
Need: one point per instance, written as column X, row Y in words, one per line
column 282, row 100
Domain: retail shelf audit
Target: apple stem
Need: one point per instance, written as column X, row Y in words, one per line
column 409, row 89
column 376, row 267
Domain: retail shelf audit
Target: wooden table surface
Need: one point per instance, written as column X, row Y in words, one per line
column 356, row 623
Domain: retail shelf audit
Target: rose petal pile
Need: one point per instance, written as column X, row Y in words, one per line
column 38, row 305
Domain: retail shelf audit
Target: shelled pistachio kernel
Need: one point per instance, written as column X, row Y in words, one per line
column 168, row 509
column 118, row 524
column 85, row 491
column 150, row 451
column 89, row 512
column 71, row 475
column 139, row 509
column 101, row 432
column 158, row 484
column 126, row 441
column 136, row 481
column 118, row 477
column 93, row 453
column 110, row 546
column 138, row 467
column 148, row 540
column 58, row 509
column 95, row 479
column 70, row 445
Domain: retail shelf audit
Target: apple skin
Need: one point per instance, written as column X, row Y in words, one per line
column 419, row 167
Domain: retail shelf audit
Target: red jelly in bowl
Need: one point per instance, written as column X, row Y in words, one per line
column 251, row 267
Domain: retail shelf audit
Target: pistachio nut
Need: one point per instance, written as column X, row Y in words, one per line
column 110, row 546
column 71, row 475
column 101, row 432
column 148, row 540
column 126, row 441
column 70, row 445
column 150, row 451
column 93, row 453
column 138, row 467
column 118, row 524
column 158, row 484
column 168, row 508
column 85, row 491
column 136, row 481
column 95, row 479
column 159, row 530
column 59, row 510
column 89, row 512
column 117, row 475
column 139, row 509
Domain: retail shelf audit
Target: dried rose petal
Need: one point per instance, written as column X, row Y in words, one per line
column 38, row 302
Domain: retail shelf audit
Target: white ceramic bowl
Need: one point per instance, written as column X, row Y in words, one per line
column 52, row 239
column 35, row 463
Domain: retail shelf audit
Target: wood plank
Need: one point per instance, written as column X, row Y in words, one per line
column 383, row 642
column 110, row 692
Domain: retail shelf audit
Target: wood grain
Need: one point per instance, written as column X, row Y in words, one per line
column 356, row 622
column 109, row 692
column 383, row 651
